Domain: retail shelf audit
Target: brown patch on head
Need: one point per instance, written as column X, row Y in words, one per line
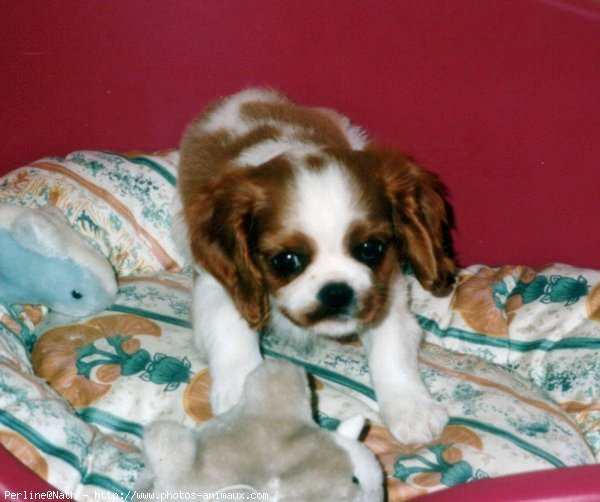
column 376, row 229
column 363, row 168
column 205, row 156
column 274, row 240
column 316, row 126
column 315, row 161
column 225, row 216
column 369, row 229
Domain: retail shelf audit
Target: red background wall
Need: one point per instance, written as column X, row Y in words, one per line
column 501, row 98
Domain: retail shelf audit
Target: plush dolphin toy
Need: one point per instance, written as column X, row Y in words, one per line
column 267, row 443
column 44, row 261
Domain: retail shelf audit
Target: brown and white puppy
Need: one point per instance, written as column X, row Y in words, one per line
column 297, row 223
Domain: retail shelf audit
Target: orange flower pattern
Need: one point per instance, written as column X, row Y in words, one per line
column 489, row 299
column 484, row 302
column 57, row 356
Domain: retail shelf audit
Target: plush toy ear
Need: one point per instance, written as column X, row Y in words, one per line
column 220, row 220
column 170, row 449
column 366, row 469
column 38, row 231
column 352, row 427
column 286, row 383
column 420, row 218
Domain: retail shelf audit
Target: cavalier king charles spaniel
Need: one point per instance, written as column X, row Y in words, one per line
column 297, row 223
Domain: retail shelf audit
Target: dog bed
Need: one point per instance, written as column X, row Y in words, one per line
column 512, row 353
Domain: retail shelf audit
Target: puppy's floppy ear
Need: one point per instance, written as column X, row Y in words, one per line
column 420, row 218
column 219, row 219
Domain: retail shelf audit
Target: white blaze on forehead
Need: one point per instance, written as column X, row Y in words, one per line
column 324, row 205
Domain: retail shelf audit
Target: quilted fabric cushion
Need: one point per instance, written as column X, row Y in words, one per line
column 136, row 363
column 513, row 354
column 542, row 324
column 120, row 203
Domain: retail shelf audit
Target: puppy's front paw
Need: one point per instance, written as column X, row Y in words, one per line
column 413, row 420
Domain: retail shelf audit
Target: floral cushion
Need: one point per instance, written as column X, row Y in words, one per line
column 512, row 354
column 542, row 324
column 79, row 407
column 120, row 203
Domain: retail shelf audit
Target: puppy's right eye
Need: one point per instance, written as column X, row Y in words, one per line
column 370, row 252
column 288, row 263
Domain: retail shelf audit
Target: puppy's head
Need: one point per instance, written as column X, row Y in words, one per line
column 320, row 236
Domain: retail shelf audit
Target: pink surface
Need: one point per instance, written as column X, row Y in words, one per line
column 501, row 98
column 575, row 484
column 17, row 482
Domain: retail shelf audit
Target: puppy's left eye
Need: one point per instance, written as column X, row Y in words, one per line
column 76, row 295
column 287, row 263
column 369, row 252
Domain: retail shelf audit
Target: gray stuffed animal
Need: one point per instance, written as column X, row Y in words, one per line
column 267, row 443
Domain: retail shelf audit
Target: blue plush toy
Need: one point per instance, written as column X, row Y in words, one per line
column 44, row 261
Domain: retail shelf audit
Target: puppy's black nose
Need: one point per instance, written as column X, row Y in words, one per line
column 336, row 296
